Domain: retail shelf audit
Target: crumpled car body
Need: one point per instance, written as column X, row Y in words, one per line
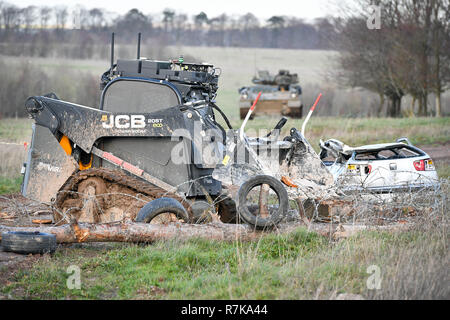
column 386, row 167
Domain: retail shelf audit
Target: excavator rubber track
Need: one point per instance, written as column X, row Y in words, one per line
column 70, row 201
column 70, row 197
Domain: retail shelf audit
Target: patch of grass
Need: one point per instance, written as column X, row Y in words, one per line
column 296, row 244
column 297, row 265
column 360, row 131
column 15, row 130
column 11, row 160
column 357, row 131
column 443, row 171
column 10, row 185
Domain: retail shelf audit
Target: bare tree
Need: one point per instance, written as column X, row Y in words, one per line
column 29, row 17
column 218, row 27
column 134, row 21
column 422, row 16
column 2, row 4
column 61, row 15
column 248, row 21
column 362, row 59
column 200, row 20
column 96, row 18
column 44, row 13
column 179, row 22
column 275, row 23
column 440, row 47
column 168, row 19
column 80, row 17
column 403, row 57
column 326, row 32
column 10, row 16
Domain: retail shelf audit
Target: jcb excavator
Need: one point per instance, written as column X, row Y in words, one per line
column 153, row 136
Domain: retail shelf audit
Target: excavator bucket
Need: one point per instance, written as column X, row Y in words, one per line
column 47, row 167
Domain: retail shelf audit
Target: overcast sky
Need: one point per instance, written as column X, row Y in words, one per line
column 307, row 9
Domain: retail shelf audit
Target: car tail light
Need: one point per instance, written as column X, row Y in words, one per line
column 424, row 165
column 419, row 165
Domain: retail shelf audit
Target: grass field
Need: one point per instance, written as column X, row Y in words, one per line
column 299, row 265
column 15, row 130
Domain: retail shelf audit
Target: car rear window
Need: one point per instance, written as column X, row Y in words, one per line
column 387, row 154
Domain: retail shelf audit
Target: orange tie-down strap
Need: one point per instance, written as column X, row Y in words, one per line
column 132, row 169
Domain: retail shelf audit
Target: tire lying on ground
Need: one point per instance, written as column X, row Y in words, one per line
column 248, row 215
column 28, row 242
column 160, row 206
column 200, row 212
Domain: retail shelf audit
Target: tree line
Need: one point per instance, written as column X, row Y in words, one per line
column 169, row 27
column 409, row 54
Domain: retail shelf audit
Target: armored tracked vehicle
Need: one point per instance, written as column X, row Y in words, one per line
column 281, row 95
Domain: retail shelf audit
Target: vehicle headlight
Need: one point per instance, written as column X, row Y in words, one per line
column 244, row 96
column 293, row 95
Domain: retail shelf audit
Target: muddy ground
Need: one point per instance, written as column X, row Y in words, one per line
column 439, row 153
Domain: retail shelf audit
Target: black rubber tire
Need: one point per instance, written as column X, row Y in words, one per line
column 162, row 205
column 227, row 210
column 28, row 242
column 255, row 220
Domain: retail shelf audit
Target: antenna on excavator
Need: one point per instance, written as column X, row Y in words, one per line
column 112, row 55
column 139, row 46
column 254, row 62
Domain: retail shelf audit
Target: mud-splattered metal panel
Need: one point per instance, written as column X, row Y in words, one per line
column 153, row 155
column 47, row 166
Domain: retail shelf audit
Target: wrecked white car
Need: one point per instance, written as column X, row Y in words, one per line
column 386, row 167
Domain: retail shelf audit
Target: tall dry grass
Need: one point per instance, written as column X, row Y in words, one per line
column 13, row 134
column 413, row 264
column 12, row 157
